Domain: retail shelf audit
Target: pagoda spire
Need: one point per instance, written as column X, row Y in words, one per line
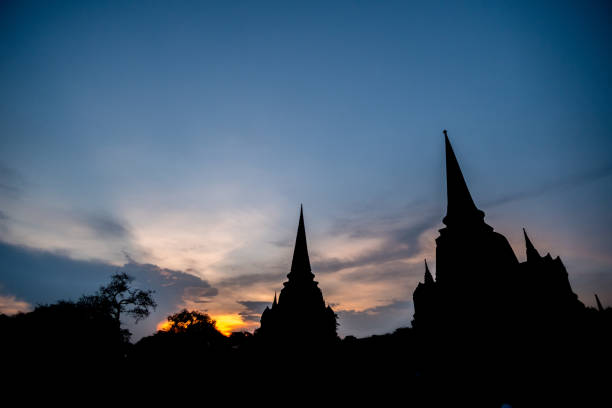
column 428, row 277
column 599, row 306
column 532, row 253
column 300, row 265
column 274, row 303
column 460, row 206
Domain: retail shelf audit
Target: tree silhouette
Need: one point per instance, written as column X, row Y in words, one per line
column 118, row 297
column 191, row 322
column 189, row 340
column 69, row 334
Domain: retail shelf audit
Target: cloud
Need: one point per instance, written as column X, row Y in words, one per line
column 49, row 224
column 199, row 294
column 9, row 305
column 363, row 261
column 252, row 279
column 82, row 234
column 40, row 277
column 396, row 272
column 282, row 243
column 376, row 320
column 11, row 181
column 253, row 311
column 573, row 180
column 105, row 225
column 397, row 242
column 4, row 223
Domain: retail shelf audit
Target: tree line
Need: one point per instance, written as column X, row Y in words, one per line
column 83, row 342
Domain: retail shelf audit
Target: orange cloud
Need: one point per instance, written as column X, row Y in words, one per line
column 225, row 323
column 164, row 325
column 9, row 305
column 229, row 323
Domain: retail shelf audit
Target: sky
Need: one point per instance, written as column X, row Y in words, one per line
column 176, row 142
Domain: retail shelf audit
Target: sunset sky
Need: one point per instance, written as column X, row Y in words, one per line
column 176, row 141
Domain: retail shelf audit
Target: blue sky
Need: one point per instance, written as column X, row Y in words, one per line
column 183, row 137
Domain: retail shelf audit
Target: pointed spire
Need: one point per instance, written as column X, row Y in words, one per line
column 274, row 303
column 300, row 265
column 532, row 253
column 428, row 277
column 599, row 306
column 460, row 206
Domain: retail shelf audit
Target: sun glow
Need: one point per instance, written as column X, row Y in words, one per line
column 228, row 323
column 164, row 325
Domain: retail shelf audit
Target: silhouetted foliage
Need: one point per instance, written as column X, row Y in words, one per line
column 119, row 298
column 189, row 338
column 240, row 339
column 67, row 333
column 75, row 336
column 193, row 323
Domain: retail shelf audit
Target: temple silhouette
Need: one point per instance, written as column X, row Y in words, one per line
column 491, row 322
column 300, row 314
column 477, row 270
